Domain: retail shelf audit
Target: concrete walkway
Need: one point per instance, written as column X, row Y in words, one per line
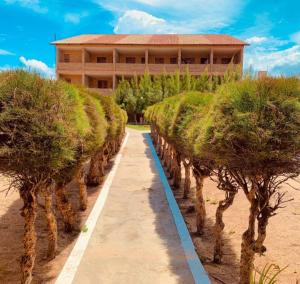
column 135, row 240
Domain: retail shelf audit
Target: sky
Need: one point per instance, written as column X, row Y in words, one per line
column 272, row 27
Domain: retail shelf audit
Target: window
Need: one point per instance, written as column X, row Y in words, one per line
column 188, row 60
column 173, row 60
column 130, row 60
column 159, row 60
column 66, row 57
column 215, row 60
column 101, row 59
column 226, row 60
column 102, row 84
column 143, row 60
column 204, row 60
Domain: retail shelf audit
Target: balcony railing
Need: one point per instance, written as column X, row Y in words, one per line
column 160, row 68
column 106, row 67
column 194, row 68
column 130, row 68
column 69, row 66
column 126, row 68
column 221, row 68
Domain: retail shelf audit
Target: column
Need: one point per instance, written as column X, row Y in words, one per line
column 242, row 59
column 114, row 58
column 179, row 59
column 114, row 81
column 147, row 59
column 83, row 51
column 211, row 60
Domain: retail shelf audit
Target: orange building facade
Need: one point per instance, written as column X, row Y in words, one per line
column 100, row 61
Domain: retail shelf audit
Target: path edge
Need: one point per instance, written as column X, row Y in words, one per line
column 199, row 273
column 69, row 270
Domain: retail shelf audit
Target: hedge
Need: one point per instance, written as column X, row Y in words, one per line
column 48, row 131
column 246, row 136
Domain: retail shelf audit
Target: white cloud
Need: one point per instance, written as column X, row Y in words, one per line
column 74, row 18
column 38, row 66
column 256, row 39
column 30, row 4
column 190, row 16
column 137, row 22
column 5, row 52
column 276, row 61
column 296, row 37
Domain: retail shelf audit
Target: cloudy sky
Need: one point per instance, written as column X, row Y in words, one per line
column 272, row 27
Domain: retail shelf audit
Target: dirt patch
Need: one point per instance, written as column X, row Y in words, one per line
column 11, row 233
column 282, row 242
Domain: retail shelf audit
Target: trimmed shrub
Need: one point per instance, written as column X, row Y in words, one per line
column 247, row 136
column 48, row 131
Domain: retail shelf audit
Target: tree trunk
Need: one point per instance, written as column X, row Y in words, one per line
column 263, row 220
column 219, row 225
column 165, row 154
column 105, row 155
column 247, row 246
column 93, row 177
column 51, row 223
column 101, row 166
column 157, row 144
column 29, row 212
column 170, row 161
column 82, row 189
column 199, row 203
column 177, row 170
column 65, row 208
column 187, row 179
column 160, row 148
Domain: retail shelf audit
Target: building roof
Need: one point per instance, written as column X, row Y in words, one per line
column 162, row 39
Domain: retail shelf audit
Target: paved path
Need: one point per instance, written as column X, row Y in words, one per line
column 135, row 240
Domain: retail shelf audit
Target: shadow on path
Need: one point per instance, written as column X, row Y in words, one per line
column 204, row 244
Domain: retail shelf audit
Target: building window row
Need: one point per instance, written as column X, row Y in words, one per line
column 159, row 60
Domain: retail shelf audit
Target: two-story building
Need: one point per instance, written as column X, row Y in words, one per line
column 99, row 61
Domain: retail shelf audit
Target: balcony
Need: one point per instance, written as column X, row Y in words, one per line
column 69, row 67
column 99, row 67
column 127, row 68
column 194, row 68
column 161, row 68
column 221, row 68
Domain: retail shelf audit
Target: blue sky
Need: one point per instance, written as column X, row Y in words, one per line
column 272, row 27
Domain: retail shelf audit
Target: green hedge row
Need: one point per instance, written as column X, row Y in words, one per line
column 247, row 137
column 48, row 130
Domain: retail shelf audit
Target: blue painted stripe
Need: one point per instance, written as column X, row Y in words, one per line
column 196, row 267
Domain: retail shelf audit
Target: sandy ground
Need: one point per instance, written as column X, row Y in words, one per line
column 283, row 236
column 135, row 240
column 11, row 230
column 282, row 242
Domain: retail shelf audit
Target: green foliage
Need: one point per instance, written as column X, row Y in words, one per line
column 48, row 128
column 136, row 95
column 37, row 137
column 268, row 275
column 255, row 125
column 251, row 124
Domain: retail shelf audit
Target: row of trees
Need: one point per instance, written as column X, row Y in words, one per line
column 246, row 137
column 48, row 130
column 137, row 94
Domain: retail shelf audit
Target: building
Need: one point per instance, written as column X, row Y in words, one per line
column 100, row 61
